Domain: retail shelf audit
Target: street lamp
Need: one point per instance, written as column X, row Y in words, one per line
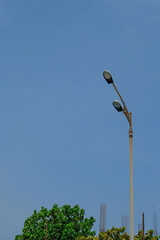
column 119, row 108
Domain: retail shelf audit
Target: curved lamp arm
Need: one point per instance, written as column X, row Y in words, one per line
column 125, row 110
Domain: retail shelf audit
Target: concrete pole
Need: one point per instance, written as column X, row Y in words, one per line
column 131, row 183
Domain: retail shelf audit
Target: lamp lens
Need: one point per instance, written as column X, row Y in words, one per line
column 117, row 106
column 107, row 75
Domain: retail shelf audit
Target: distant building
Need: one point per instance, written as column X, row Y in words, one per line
column 102, row 225
column 139, row 227
column 155, row 222
column 125, row 222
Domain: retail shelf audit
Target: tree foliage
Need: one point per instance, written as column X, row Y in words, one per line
column 148, row 236
column 112, row 234
column 120, row 234
column 63, row 223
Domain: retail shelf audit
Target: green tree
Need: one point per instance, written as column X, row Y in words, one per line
column 147, row 236
column 112, row 234
column 64, row 223
column 120, row 234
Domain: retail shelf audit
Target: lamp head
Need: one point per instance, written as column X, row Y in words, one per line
column 117, row 106
column 107, row 76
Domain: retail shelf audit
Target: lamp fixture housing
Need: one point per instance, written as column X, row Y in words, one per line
column 108, row 77
column 117, row 106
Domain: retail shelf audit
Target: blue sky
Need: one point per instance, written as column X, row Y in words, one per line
column 61, row 140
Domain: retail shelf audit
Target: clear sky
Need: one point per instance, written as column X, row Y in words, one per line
column 61, row 141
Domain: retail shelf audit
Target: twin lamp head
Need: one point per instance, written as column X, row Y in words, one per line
column 108, row 77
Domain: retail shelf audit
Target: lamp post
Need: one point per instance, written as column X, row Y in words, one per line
column 119, row 108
